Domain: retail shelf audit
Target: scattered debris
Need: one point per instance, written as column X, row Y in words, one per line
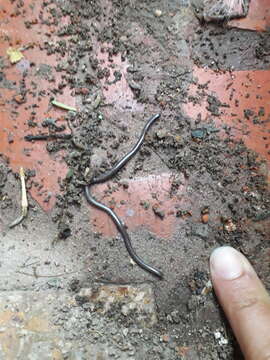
column 134, row 86
column 205, row 215
column 205, row 218
column 158, row 211
column 31, row 137
column 158, row 13
column 14, row 55
column 262, row 215
column 182, row 351
column 208, row 288
column 64, row 230
column 165, row 338
column 63, row 106
column 97, row 101
column 229, row 225
column 200, row 230
column 221, row 339
column 220, row 10
column 183, row 213
column 161, row 134
column 199, row 134
column 145, row 204
column 24, row 201
column 36, row 275
column 125, row 184
column 20, row 99
column 10, row 138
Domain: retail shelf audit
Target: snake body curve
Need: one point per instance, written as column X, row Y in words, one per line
column 117, row 221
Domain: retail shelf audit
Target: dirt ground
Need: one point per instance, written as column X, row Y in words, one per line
column 197, row 183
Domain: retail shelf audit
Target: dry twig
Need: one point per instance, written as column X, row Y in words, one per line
column 24, row 202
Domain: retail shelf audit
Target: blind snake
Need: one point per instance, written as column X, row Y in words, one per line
column 117, row 221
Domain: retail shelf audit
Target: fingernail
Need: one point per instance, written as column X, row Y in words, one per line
column 227, row 263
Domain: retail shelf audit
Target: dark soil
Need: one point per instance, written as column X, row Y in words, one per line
column 231, row 49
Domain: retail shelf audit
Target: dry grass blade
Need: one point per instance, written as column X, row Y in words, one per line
column 24, row 202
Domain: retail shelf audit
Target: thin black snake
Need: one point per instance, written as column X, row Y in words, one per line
column 108, row 175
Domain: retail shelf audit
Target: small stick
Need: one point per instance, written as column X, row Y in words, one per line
column 45, row 276
column 47, row 137
column 24, row 202
column 63, row 106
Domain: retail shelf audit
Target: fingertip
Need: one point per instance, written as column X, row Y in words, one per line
column 244, row 300
column 227, row 263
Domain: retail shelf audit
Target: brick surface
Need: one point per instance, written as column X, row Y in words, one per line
column 41, row 78
column 138, row 205
column 240, row 90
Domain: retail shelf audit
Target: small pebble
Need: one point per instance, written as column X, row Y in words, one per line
column 158, row 13
column 165, row 338
column 205, row 218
